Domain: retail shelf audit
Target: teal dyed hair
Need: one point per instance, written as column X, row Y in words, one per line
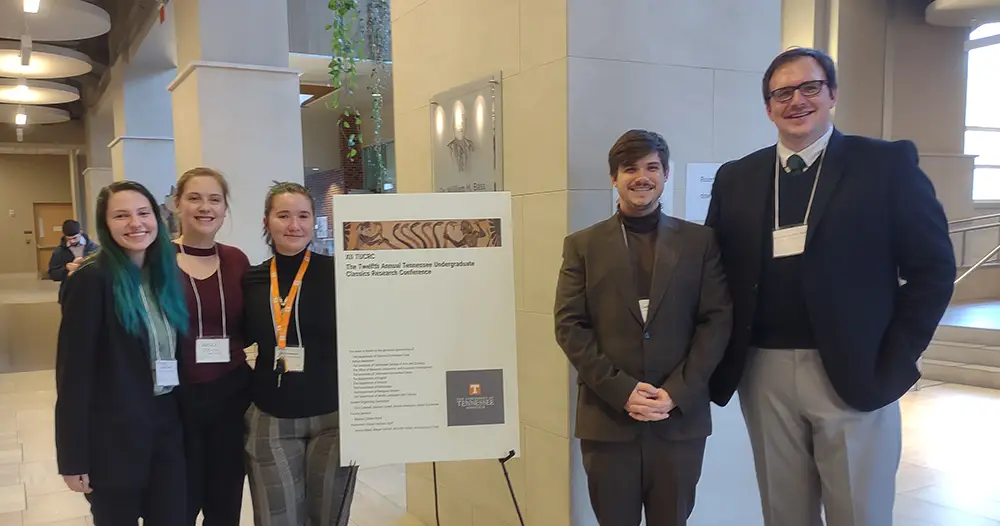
column 160, row 266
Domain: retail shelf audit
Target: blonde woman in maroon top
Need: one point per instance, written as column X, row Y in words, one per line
column 215, row 388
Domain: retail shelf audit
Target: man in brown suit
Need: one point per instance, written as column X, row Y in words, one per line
column 644, row 315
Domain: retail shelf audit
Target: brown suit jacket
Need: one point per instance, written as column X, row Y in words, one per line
column 599, row 327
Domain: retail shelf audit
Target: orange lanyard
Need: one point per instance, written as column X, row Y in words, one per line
column 281, row 311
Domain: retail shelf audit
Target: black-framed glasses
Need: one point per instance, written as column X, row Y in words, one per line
column 809, row 89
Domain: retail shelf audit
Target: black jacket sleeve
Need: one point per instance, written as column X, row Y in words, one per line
column 79, row 338
column 924, row 251
column 57, row 263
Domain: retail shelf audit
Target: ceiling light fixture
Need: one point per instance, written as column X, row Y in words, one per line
column 25, row 53
column 22, row 118
column 31, row 6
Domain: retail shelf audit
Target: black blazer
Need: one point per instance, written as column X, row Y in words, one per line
column 875, row 219
column 104, row 386
column 599, row 326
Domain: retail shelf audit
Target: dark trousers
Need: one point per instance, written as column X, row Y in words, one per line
column 648, row 472
column 214, row 432
column 160, row 501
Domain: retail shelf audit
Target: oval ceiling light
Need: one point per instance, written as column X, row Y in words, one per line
column 47, row 62
column 16, row 91
column 33, row 114
column 56, row 20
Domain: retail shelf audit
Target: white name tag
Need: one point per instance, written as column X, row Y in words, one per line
column 644, row 309
column 790, row 241
column 211, row 350
column 294, row 359
column 166, row 373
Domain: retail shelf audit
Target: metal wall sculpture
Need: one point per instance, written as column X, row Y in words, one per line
column 466, row 137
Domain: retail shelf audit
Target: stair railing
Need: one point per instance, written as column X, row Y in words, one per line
column 963, row 231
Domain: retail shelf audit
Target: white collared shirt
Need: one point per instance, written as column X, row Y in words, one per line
column 809, row 154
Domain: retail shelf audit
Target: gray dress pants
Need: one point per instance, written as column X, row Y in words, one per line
column 813, row 452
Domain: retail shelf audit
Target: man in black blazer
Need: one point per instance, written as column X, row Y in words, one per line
column 643, row 313
column 837, row 255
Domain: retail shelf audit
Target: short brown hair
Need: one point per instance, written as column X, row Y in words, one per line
column 634, row 145
column 793, row 54
column 201, row 171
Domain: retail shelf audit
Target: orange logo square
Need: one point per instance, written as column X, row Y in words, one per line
column 475, row 389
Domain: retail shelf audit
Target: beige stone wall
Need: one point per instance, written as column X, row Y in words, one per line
column 440, row 44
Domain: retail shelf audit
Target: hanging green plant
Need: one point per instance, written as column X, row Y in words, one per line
column 344, row 46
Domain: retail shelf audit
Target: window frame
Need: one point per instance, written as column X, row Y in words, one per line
column 989, row 204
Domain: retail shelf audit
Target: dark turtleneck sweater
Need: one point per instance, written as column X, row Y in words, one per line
column 312, row 392
column 641, row 235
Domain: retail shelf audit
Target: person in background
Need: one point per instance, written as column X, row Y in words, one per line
column 118, row 431
column 72, row 250
column 293, row 427
column 643, row 313
column 215, row 377
column 840, row 266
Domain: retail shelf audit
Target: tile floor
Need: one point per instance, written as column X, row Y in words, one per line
column 948, row 476
column 33, row 494
column 978, row 314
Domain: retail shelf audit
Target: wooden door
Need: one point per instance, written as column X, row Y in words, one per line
column 49, row 218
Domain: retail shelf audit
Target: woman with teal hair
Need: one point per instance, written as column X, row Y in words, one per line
column 118, row 432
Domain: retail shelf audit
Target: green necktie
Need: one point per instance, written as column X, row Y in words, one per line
column 795, row 165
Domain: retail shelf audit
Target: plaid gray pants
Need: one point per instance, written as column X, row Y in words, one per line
column 294, row 470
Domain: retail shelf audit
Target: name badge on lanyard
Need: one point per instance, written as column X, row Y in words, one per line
column 287, row 359
column 211, row 349
column 791, row 241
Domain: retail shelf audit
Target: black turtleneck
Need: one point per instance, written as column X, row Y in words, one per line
column 640, row 231
column 314, row 391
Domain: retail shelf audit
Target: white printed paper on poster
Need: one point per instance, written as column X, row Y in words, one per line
column 698, row 191
column 425, row 322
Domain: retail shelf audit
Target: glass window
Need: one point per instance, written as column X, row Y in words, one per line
column 985, row 30
column 982, row 114
column 368, row 155
column 986, row 184
column 982, row 106
column 985, row 145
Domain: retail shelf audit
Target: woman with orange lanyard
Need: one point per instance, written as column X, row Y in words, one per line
column 293, row 428
column 215, row 377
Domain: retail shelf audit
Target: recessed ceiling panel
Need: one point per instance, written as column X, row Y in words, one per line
column 36, row 92
column 47, row 62
column 35, row 114
column 56, row 20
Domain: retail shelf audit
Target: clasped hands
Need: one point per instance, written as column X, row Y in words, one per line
column 649, row 404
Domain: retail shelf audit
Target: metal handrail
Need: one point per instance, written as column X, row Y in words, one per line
column 971, row 219
column 975, row 228
column 978, row 264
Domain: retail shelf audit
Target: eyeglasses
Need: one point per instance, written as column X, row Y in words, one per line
column 809, row 89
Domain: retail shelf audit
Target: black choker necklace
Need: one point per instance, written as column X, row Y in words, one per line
column 199, row 252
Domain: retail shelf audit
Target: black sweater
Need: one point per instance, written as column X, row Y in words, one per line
column 312, row 392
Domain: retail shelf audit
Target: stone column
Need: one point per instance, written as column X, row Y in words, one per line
column 576, row 74
column 143, row 147
column 100, row 132
column 236, row 106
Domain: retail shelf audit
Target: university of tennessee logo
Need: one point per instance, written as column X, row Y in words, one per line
column 475, row 389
